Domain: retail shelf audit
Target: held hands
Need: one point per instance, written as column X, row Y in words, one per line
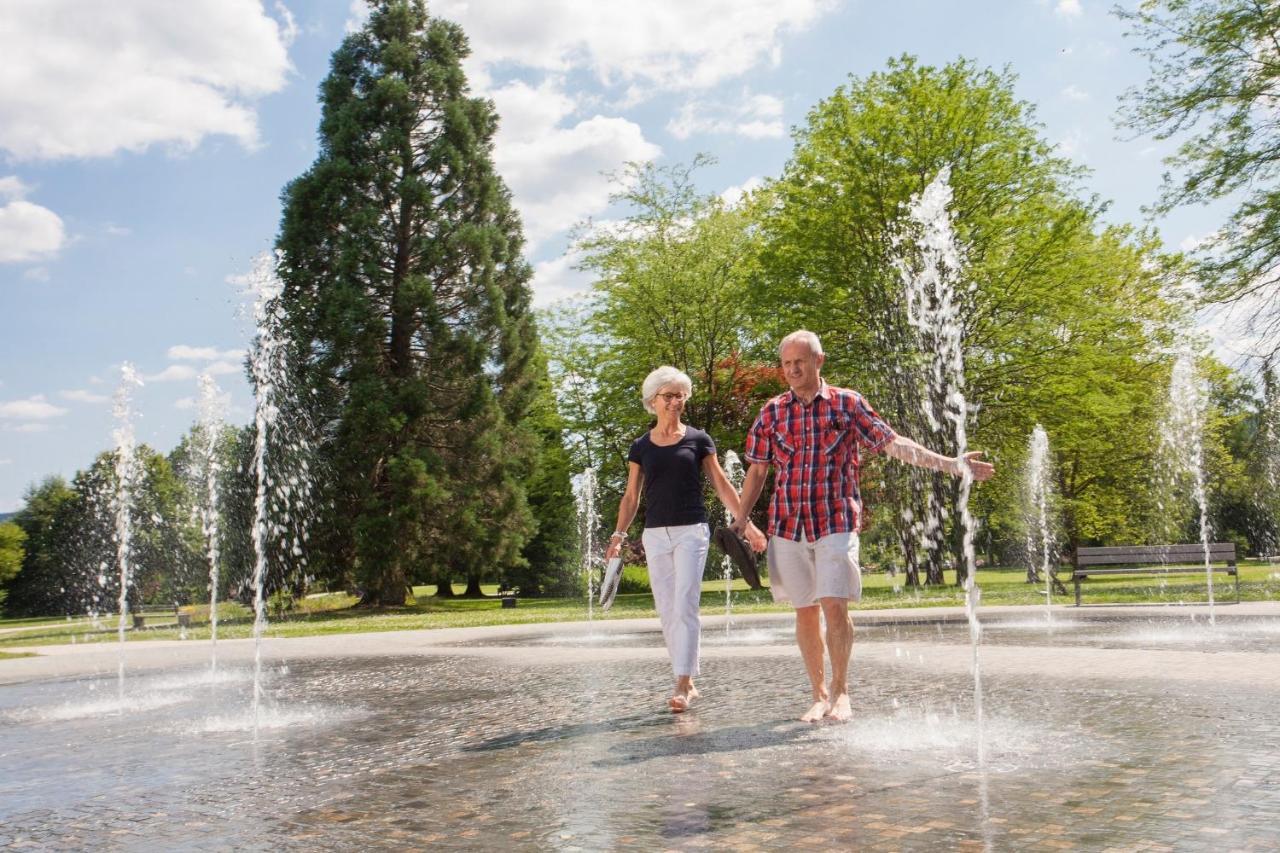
column 754, row 536
column 981, row 470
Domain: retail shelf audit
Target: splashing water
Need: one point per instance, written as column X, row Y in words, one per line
column 211, row 424
column 1182, row 448
column 1041, row 546
column 931, row 271
column 126, row 470
column 588, row 525
column 735, row 474
column 267, row 362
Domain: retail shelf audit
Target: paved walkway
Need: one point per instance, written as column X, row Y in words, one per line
column 71, row 660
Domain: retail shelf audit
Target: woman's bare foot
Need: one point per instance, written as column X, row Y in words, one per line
column 817, row 712
column 683, row 696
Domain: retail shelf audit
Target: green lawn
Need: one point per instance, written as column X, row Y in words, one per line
column 336, row 613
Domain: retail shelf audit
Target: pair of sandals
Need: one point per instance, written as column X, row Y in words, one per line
column 729, row 541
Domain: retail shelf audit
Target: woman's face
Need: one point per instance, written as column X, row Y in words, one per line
column 669, row 400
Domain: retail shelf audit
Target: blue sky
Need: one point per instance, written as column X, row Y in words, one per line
column 144, row 145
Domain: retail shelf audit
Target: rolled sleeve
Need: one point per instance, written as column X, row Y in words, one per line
column 759, row 448
column 873, row 431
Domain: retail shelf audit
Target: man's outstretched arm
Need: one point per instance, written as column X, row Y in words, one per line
column 913, row 453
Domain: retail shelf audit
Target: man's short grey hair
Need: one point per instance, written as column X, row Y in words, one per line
column 803, row 336
column 661, row 378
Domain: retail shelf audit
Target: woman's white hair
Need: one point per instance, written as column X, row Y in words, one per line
column 803, row 336
column 661, row 378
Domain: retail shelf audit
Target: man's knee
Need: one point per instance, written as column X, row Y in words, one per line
column 808, row 617
column 834, row 607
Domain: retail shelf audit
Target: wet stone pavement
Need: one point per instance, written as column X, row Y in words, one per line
column 456, row 752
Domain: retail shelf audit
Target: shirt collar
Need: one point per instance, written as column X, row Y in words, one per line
column 824, row 391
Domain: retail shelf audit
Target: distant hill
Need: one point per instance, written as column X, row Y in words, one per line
column 5, row 516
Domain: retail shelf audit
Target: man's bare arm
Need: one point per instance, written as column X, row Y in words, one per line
column 913, row 453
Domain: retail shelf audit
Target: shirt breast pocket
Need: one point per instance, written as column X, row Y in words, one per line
column 836, row 436
column 784, row 446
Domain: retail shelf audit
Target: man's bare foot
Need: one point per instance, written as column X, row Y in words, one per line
column 817, row 712
column 841, row 711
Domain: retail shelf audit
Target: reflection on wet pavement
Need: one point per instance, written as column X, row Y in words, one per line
column 479, row 752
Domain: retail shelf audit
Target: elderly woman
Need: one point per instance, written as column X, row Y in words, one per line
column 668, row 462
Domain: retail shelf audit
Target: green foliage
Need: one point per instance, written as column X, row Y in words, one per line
column 12, row 539
column 45, row 521
column 1059, row 315
column 1215, row 80
column 672, row 286
column 407, row 295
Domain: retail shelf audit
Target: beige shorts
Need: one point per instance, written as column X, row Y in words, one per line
column 803, row 572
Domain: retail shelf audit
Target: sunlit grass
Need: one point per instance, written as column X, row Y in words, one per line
column 337, row 613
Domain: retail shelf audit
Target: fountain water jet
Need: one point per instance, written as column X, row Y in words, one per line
column 126, row 471
column 588, row 525
column 1181, row 444
column 1039, row 500
column 734, row 472
column 268, row 366
column 211, row 424
column 930, row 270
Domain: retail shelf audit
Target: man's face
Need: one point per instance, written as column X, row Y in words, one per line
column 800, row 367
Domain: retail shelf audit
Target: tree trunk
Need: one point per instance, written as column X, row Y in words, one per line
column 444, row 589
column 473, row 587
column 935, row 532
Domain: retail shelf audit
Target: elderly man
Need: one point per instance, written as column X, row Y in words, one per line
column 814, row 435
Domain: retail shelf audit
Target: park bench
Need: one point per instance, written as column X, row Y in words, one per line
column 1154, row 560
column 157, row 610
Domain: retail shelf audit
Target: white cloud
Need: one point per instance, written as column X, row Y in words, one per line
column 357, row 14
column 1068, row 8
column 752, row 116
column 1193, row 242
column 1073, row 146
column 28, row 232
column 1075, row 93
column 557, row 175
column 27, row 427
column 13, row 187
column 222, row 368
column 114, row 230
column 557, row 279
column 90, row 79
column 35, row 408
column 667, row 44
column 183, row 352
column 554, row 166
column 173, row 373
column 732, row 195
column 79, row 395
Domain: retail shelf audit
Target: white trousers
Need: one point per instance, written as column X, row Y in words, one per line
column 676, row 557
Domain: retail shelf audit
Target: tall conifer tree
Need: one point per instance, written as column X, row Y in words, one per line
column 408, row 298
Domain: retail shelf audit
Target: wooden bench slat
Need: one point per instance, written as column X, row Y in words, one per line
column 1151, row 550
column 1152, row 570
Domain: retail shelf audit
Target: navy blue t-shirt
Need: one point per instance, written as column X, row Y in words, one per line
column 673, row 478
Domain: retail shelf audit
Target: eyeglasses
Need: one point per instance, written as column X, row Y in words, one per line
column 672, row 396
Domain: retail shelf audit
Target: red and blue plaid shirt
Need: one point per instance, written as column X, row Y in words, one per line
column 816, row 449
